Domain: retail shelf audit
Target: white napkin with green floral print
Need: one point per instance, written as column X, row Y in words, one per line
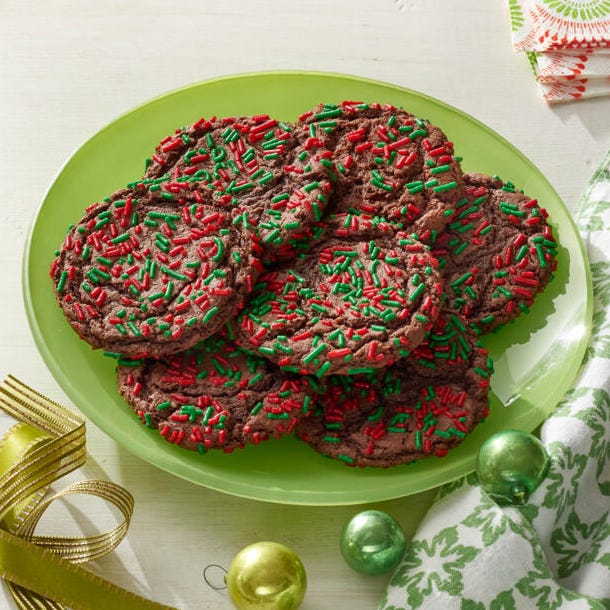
column 554, row 552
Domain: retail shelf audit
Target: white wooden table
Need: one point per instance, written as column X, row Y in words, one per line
column 69, row 67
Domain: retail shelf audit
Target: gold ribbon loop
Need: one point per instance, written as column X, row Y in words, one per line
column 79, row 550
column 27, row 405
column 47, row 461
column 18, row 441
column 42, row 571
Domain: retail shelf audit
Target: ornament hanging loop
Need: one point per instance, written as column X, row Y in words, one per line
column 209, row 581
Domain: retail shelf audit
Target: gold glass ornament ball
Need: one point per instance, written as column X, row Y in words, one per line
column 266, row 576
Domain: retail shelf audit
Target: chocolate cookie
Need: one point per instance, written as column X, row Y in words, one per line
column 423, row 405
column 274, row 177
column 350, row 305
column 148, row 274
column 388, row 163
column 497, row 253
column 214, row 396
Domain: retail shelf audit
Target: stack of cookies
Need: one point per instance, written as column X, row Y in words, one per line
column 328, row 278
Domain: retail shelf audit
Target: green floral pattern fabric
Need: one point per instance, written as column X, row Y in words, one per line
column 554, row 552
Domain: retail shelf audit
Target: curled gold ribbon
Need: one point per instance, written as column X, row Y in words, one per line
column 42, row 572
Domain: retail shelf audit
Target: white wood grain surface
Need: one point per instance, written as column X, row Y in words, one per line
column 69, row 67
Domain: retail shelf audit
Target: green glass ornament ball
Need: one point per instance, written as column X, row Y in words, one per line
column 266, row 576
column 511, row 464
column 372, row 542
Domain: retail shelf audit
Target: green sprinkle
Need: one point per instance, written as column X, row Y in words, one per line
column 102, row 274
column 521, row 253
column 221, row 248
column 417, row 292
column 61, row 284
column 415, row 187
column 278, row 415
column 267, row 176
column 328, row 114
column 172, row 273
column 241, row 187
column 315, row 353
column 316, row 210
column 417, row 133
column 323, row 369
column 274, row 236
column 208, row 414
column 256, row 378
column 319, row 308
column 209, row 314
column 360, row 370
column 345, row 458
column 311, row 186
column 263, row 349
column 541, row 256
column 445, row 187
column 331, row 439
column 461, row 279
column 257, row 407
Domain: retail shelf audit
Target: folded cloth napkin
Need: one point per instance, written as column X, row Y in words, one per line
column 575, row 89
column 554, row 552
column 567, row 43
column 568, row 65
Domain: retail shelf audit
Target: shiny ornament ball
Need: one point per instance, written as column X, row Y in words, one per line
column 372, row 542
column 511, row 464
column 266, row 576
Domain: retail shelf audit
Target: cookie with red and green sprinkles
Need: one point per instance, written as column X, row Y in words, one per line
column 215, row 396
column 350, row 305
column 496, row 254
column 421, row 406
column 143, row 275
column 275, row 179
column 388, row 162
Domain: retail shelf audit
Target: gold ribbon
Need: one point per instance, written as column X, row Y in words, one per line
column 42, row 572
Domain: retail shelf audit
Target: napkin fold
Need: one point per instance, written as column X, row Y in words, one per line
column 554, row 552
column 567, row 43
